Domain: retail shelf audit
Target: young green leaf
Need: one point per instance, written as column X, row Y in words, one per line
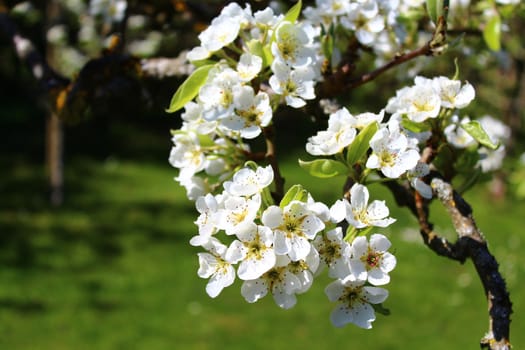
column 294, row 12
column 414, row 126
column 189, row 88
column 492, row 33
column 296, row 192
column 361, row 144
column 324, row 168
column 434, row 9
column 256, row 48
column 475, row 130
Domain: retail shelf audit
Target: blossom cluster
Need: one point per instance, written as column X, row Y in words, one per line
column 248, row 63
column 374, row 22
column 403, row 128
column 232, row 105
column 279, row 249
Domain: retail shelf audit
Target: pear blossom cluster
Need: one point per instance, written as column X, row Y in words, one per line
column 374, row 22
column 230, row 106
column 278, row 250
column 292, row 63
column 277, row 243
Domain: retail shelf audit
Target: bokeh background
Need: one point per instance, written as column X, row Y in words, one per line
column 111, row 267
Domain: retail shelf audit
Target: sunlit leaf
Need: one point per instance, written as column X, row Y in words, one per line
column 413, row 126
column 189, row 88
column 475, row 130
column 436, row 9
column 294, row 12
column 361, row 143
column 296, row 192
column 492, row 33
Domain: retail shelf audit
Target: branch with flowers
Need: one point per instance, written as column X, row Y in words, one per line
column 276, row 240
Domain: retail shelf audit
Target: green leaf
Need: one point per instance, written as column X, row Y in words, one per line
column 380, row 309
column 436, row 9
column 294, row 12
column 327, row 43
column 189, row 88
column 256, row 48
column 361, row 144
column 475, row 130
column 413, row 126
column 492, row 33
column 324, row 168
column 296, row 192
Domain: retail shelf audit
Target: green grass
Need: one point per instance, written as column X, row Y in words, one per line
column 112, row 269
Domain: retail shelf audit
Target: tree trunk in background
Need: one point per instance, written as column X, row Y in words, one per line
column 54, row 129
column 54, row 158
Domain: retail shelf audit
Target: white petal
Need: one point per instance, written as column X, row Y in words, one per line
column 300, row 247
column 375, row 295
column 285, row 301
column 236, row 252
column 379, row 242
column 254, row 268
column 359, row 197
column 338, row 210
column 334, row 290
column 254, row 290
column 358, row 271
column 377, row 277
column 363, row 315
column 311, row 225
column 272, row 216
column 388, row 262
column 207, row 264
column 359, row 247
column 219, row 281
column 340, row 316
column 282, row 244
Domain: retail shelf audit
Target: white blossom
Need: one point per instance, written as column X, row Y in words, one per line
column 415, row 176
column 365, row 20
column 294, row 226
column 419, row 102
column 212, row 265
column 340, row 134
column 237, row 212
column 391, row 153
column 250, row 113
column 295, row 85
column 249, row 66
column 254, row 251
column 370, row 260
column 247, row 182
column 452, row 94
column 291, row 45
column 334, row 252
column 279, row 281
column 354, row 299
column 358, row 212
column 456, row 135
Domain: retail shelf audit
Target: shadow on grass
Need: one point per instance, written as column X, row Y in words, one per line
column 103, row 210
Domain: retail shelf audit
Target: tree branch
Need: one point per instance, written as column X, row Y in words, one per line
column 475, row 247
column 333, row 85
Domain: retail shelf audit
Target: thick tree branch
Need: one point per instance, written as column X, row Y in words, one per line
column 475, row 247
column 470, row 244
